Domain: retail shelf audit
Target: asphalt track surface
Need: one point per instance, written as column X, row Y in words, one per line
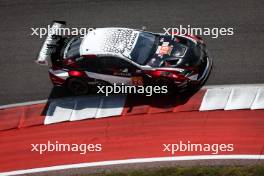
column 237, row 58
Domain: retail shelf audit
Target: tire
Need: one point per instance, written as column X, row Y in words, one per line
column 77, row 86
column 166, row 82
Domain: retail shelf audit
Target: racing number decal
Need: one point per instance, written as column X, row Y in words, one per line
column 137, row 80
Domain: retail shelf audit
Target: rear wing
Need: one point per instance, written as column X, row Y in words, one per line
column 46, row 49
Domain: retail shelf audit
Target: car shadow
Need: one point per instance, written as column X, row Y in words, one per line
column 61, row 98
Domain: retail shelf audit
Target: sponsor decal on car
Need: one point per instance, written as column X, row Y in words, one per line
column 137, row 80
column 164, row 49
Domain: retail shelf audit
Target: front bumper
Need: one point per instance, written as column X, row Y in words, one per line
column 203, row 75
column 204, row 70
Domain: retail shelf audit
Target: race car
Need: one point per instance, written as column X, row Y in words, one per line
column 107, row 56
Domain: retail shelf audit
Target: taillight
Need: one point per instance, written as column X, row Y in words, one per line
column 77, row 73
column 169, row 74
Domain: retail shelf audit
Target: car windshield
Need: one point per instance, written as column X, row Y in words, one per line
column 144, row 48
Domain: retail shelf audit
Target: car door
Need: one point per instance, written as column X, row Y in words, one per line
column 117, row 70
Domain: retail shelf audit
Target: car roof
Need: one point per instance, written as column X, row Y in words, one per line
column 107, row 41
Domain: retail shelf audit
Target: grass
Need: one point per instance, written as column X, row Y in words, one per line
column 256, row 170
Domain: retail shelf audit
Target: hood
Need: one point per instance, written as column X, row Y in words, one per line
column 176, row 52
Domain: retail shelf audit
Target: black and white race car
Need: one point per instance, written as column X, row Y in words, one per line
column 124, row 56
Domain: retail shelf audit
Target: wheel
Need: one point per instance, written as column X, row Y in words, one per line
column 77, row 86
column 166, row 82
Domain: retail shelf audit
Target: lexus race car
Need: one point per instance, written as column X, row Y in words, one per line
column 124, row 56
